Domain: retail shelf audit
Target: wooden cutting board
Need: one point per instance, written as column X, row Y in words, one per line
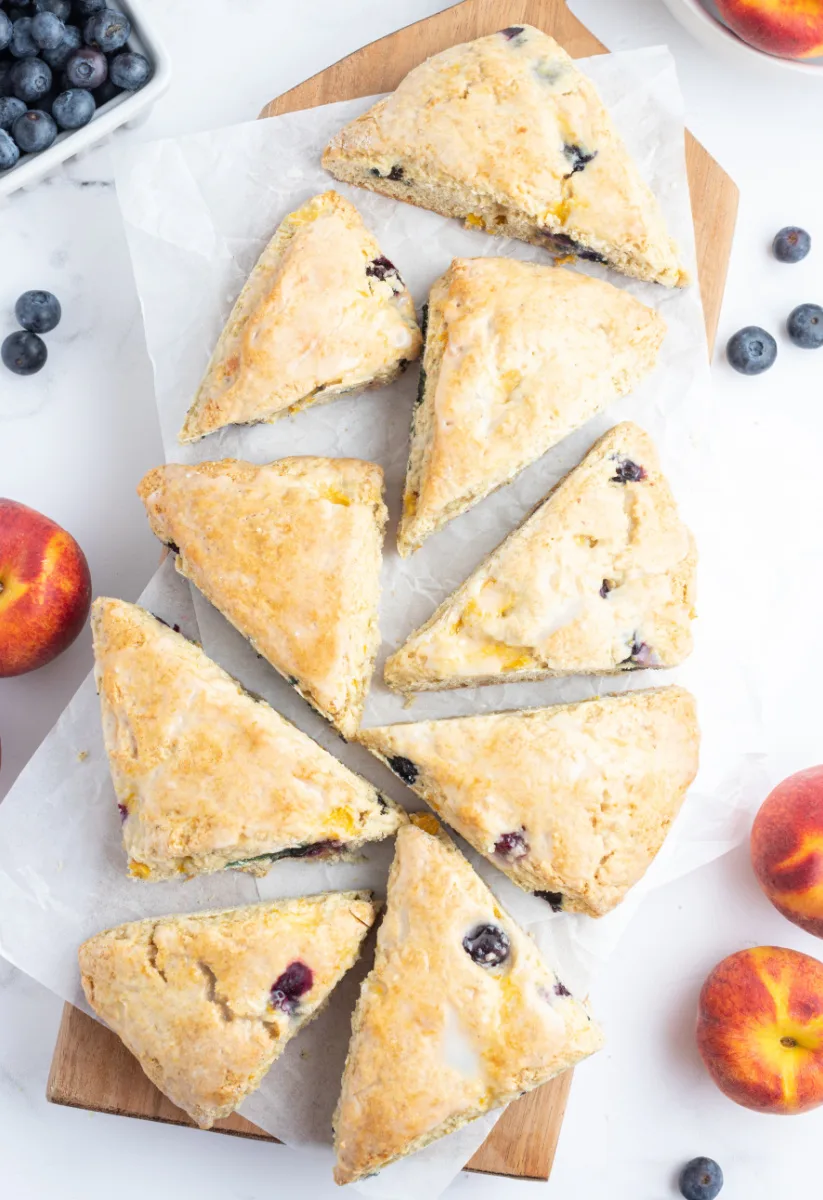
column 91, row 1068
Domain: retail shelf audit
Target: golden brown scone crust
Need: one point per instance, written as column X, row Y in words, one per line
column 437, row 1039
column 319, row 316
column 290, row 553
column 517, row 356
column 508, row 134
column 207, row 775
column 600, row 578
column 191, row 996
column 575, row 799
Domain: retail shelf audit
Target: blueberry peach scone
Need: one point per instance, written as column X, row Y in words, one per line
column 207, row 1002
column 208, row 776
column 517, row 356
column 572, row 802
column 506, row 133
column 459, row 1015
column 323, row 313
column 598, row 579
column 290, row 553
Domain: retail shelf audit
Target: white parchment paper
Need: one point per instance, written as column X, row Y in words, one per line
column 198, row 211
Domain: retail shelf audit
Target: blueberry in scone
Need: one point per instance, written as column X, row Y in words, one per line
column 599, row 578
column 206, row 1002
column 207, row 776
column 572, row 802
column 517, row 355
column 290, row 553
column 459, row 1015
column 507, row 133
column 323, row 313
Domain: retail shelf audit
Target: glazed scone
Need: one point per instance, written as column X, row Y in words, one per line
column 599, row 578
column 572, row 802
column 517, row 355
column 459, row 1015
column 507, row 133
column 290, row 553
column 206, row 1002
column 208, row 776
column 323, row 313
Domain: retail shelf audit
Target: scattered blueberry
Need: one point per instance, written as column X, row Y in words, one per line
column 791, row 245
column 38, row 311
column 60, row 8
column 22, row 43
column 487, row 945
column 751, row 350
column 628, row 472
column 108, row 30
column 24, row 353
column 131, row 71
column 34, row 131
column 30, row 80
column 9, row 151
column 805, row 326
column 512, row 845
column 10, row 109
column 701, row 1179
column 107, row 91
column 5, row 30
column 47, row 30
column 555, row 899
column 86, row 68
column 74, row 108
column 58, row 57
column 287, row 989
column 404, row 767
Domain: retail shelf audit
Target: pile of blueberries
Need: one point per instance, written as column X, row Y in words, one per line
column 24, row 352
column 60, row 60
column 752, row 350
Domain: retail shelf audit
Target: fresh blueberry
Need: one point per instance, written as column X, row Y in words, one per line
column 627, row 471
column 5, row 70
column 74, row 108
column 47, row 30
column 24, row 353
column 38, row 311
column 791, row 245
column 34, row 131
column 701, row 1179
column 10, row 109
column 60, row 8
column 16, row 11
column 30, row 79
column 805, row 326
column 108, row 30
column 107, row 91
column 404, row 767
column 22, row 43
column 86, row 68
column 512, row 845
column 9, row 151
column 751, row 350
column 59, row 56
column 287, row 989
column 554, row 899
column 131, row 71
column 6, row 28
column 87, row 8
column 487, row 945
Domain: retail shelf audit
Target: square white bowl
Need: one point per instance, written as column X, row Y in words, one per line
column 128, row 108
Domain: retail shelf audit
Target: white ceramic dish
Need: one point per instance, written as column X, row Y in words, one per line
column 129, row 108
column 700, row 22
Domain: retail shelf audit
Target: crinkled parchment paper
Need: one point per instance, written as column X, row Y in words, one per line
column 198, row 211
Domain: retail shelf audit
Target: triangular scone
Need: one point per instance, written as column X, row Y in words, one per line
column 459, row 1015
column 598, row 579
column 206, row 1002
column 572, row 801
column 290, row 553
column 517, row 356
column 323, row 313
column 507, row 133
column 206, row 775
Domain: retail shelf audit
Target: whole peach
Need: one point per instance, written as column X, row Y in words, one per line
column 760, row 1029
column 787, row 848
column 787, row 28
column 45, row 589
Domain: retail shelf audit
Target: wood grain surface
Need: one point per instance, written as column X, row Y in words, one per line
column 91, row 1068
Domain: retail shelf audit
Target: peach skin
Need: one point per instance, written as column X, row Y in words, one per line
column 45, row 589
column 787, row 28
column 760, row 1029
column 787, row 848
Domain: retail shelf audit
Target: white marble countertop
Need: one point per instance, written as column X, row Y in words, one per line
column 74, row 441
